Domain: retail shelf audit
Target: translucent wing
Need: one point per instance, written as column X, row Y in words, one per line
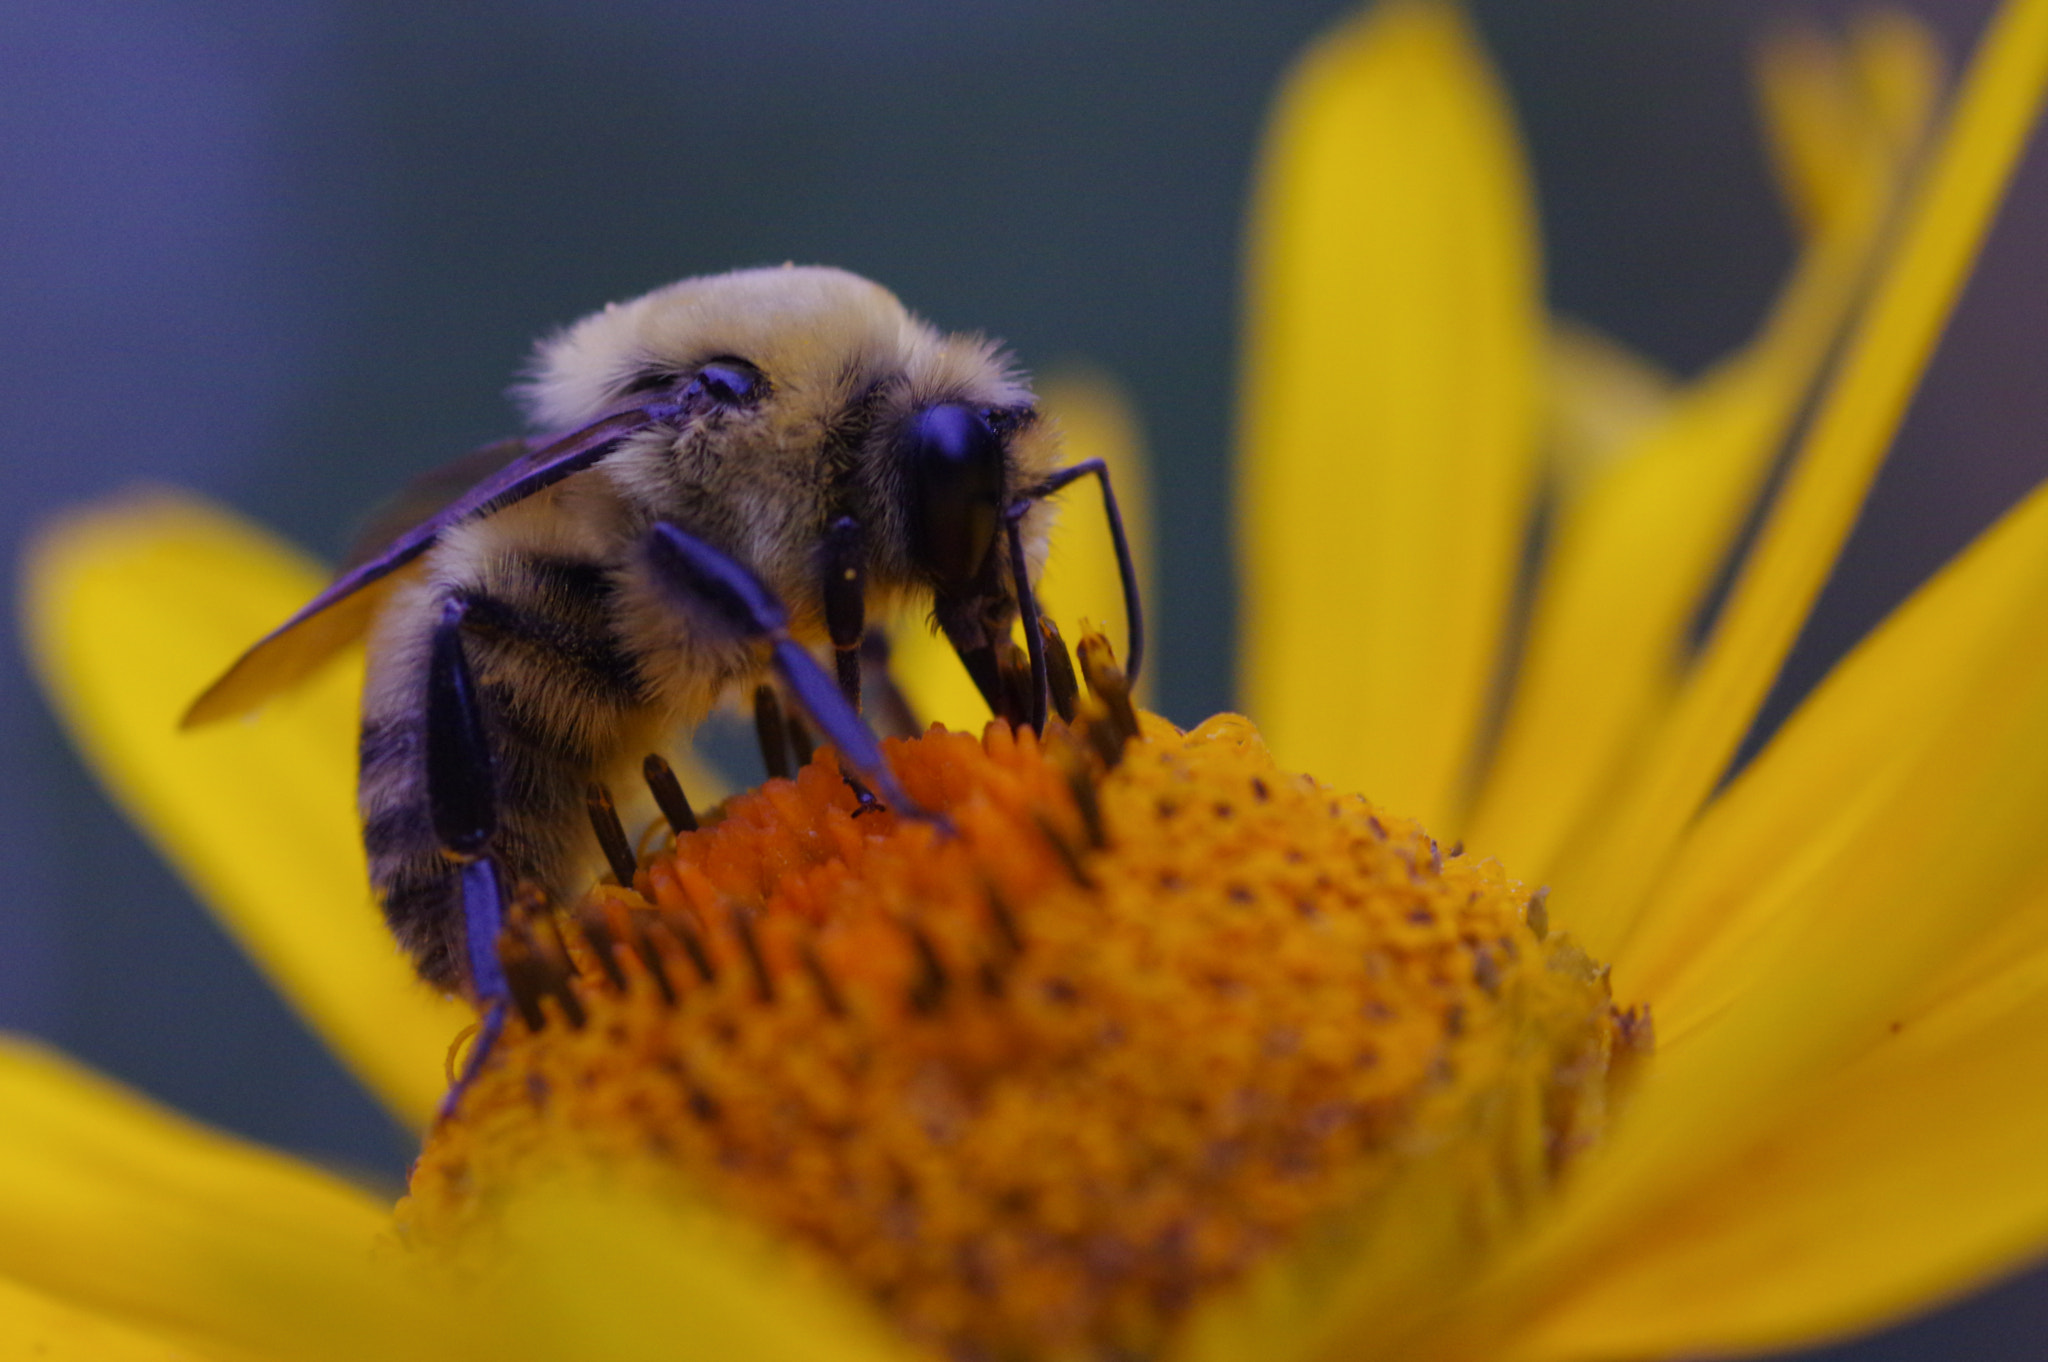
column 426, row 497
column 339, row 615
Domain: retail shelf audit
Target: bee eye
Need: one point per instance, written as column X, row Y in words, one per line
column 725, row 383
column 956, row 466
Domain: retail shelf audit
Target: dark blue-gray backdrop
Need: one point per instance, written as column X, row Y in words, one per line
column 286, row 250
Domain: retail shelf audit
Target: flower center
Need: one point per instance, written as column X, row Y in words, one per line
column 1040, row 1085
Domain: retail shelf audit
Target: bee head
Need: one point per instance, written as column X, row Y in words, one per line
column 806, row 396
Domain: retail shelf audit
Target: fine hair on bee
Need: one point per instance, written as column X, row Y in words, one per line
column 733, row 475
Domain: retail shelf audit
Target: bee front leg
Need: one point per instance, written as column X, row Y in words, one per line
column 462, row 800
column 716, row 591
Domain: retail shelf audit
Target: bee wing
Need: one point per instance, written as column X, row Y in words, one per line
column 342, row 613
column 426, row 497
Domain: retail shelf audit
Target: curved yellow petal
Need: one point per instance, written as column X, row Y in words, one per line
column 1640, row 539
column 1600, row 399
column 601, row 1273
column 111, row 1207
column 1390, row 409
column 1944, row 221
column 1632, row 555
column 1892, row 734
column 1911, row 1175
column 1900, row 72
column 131, row 610
column 1839, row 115
column 1841, row 895
column 34, row 1326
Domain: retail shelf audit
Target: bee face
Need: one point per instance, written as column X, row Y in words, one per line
column 808, row 394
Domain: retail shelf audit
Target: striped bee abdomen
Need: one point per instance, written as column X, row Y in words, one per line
column 558, row 694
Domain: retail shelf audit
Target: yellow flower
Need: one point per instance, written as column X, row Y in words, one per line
column 1845, row 945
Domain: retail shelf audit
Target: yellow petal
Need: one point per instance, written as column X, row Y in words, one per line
column 1893, row 731
column 1389, row 412
column 1841, row 118
column 1640, row 539
column 34, row 1326
column 1848, row 884
column 1900, row 73
column 1943, row 223
column 1913, row 1174
column 131, row 610
column 931, row 677
column 1636, row 546
column 1811, row 115
column 113, row 1208
column 601, row 1273
column 1601, row 398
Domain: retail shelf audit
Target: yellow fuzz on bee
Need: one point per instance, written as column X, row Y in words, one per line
column 1039, row 1085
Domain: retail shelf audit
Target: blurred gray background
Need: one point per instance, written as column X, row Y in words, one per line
column 286, row 251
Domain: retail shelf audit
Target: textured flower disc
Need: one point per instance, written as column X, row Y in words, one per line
column 1040, row 1084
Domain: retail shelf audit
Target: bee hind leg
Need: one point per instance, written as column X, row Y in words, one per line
column 713, row 588
column 462, row 800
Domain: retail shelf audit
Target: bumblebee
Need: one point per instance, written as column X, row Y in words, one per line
column 747, row 465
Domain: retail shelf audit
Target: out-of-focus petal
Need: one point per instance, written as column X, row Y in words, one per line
column 589, row 1273
column 1941, row 227
column 111, row 1207
column 1840, row 118
column 931, row 677
column 131, row 610
column 1639, row 542
column 1633, row 553
column 34, row 1326
column 1390, row 407
column 1600, row 400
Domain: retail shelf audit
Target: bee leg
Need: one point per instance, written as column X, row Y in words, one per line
column 712, row 587
column 462, row 799
column 1126, row 568
column 668, row 794
column 1027, row 606
column 893, row 714
column 770, row 735
column 846, row 601
column 611, row 833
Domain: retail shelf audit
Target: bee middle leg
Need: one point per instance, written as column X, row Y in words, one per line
column 711, row 587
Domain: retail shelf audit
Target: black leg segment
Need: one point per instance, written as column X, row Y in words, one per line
column 668, row 794
column 461, row 769
column 769, row 733
column 846, row 600
column 1027, row 607
column 462, row 799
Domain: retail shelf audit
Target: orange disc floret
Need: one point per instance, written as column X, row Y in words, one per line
column 1038, row 1079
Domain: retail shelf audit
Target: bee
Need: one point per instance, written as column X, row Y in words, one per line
column 753, row 463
